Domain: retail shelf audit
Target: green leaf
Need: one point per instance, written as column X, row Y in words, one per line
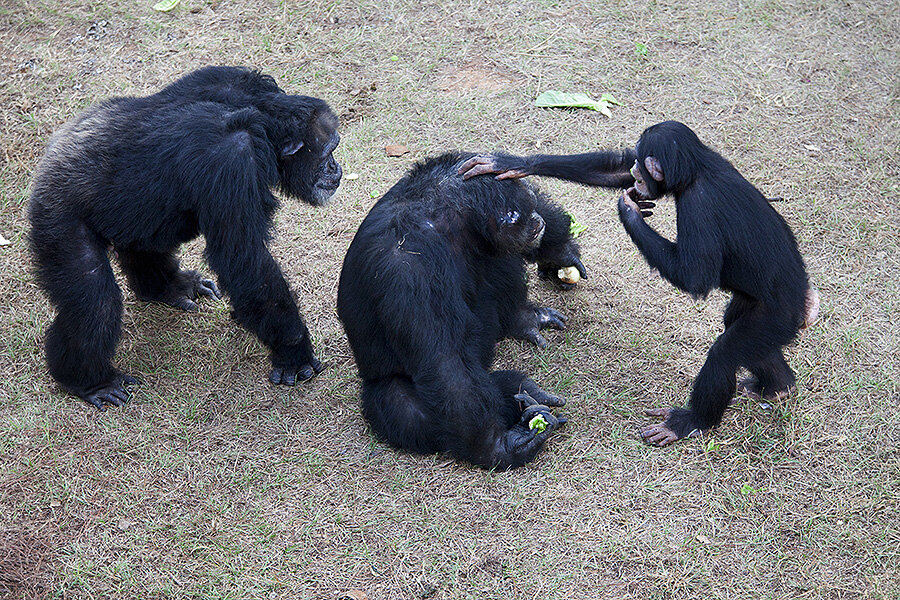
column 607, row 97
column 165, row 5
column 556, row 99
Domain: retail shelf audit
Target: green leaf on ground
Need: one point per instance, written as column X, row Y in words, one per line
column 556, row 99
column 165, row 5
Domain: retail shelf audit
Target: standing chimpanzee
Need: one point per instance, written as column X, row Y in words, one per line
column 434, row 277
column 144, row 175
column 730, row 237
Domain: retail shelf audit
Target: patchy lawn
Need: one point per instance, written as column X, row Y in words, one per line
column 212, row 483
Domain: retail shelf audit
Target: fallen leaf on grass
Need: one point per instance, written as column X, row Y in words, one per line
column 165, row 5
column 354, row 595
column 4, row 241
column 396, row 150
column 352, row 176
column 575, row 228
column 556, row 99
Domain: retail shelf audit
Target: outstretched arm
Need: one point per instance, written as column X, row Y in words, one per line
column 600, row 169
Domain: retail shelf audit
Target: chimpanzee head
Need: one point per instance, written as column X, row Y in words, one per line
column 669, row 155
column 513, row 224
column 306, row 166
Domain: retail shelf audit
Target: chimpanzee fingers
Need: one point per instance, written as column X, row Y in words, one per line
column 280, row 376
column 185, row 303
column 510, row 174
column 316, row 365
column 525, row 399
column 533, row 336
column 576, row 262
column 478, row 165
column 472, row 163
column 208, row 288
column 548, row 317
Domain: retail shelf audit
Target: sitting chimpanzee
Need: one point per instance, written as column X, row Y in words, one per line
column 434, row 277
column 144, row 175
column 730, row 237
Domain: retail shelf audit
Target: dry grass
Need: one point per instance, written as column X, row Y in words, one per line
column 213, row 484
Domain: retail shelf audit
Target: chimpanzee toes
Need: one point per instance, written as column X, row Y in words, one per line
column 275, row 375
column 280, row 376
column 129, row 380
column 317, row 365
column 662, row 413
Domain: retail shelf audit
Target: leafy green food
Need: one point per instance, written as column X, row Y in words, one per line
column 538, row 423
column 575, row 228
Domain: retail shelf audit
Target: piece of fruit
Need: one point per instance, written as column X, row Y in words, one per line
column 538, row 423
column 569, row 275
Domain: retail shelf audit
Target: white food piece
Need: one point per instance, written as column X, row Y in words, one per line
column 569, row 275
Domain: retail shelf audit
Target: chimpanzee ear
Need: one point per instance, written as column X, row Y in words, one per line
column 654, row 168
column 291, row 148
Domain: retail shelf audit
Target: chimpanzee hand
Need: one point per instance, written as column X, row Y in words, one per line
column 115, row 392
column 506, row 166
column 531, row 319
column 631, row 200
column 521, row 444
column 551, row 260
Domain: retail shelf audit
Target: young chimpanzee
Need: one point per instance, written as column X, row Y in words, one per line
column 143, row 175
column 434, row 277
column 730, row 237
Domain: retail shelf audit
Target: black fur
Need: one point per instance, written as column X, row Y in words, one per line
column 143, row 175
column 433, row 278
column 729, row 237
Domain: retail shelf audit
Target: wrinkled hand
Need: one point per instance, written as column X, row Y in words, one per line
column 506, row 167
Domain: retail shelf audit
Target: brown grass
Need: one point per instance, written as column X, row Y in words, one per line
column 214, row 484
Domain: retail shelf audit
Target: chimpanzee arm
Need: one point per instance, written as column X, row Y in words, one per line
column 232, row 205
column 557, row 249
column 694, row 264
column 601, row 169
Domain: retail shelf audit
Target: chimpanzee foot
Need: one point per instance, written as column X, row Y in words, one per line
column 677, row 424
column 751, row 388
column 114, row 393
column 291, row 375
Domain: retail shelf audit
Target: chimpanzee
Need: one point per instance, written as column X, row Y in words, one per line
column 143, row 175
column 434, row 277
column 729, row 237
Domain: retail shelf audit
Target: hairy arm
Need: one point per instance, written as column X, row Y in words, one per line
column 694, row 264
column 600, row 169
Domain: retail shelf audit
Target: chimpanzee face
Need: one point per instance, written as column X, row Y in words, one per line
column 308, row 169
column 519, row 233
column 639, row 184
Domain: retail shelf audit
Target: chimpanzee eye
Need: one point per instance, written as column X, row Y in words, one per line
column 510, row 217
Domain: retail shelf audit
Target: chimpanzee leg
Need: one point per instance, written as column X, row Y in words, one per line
column 772, row 378
column 74, row 270
column 156, row 276
column 750, row 338
column 399, row 417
